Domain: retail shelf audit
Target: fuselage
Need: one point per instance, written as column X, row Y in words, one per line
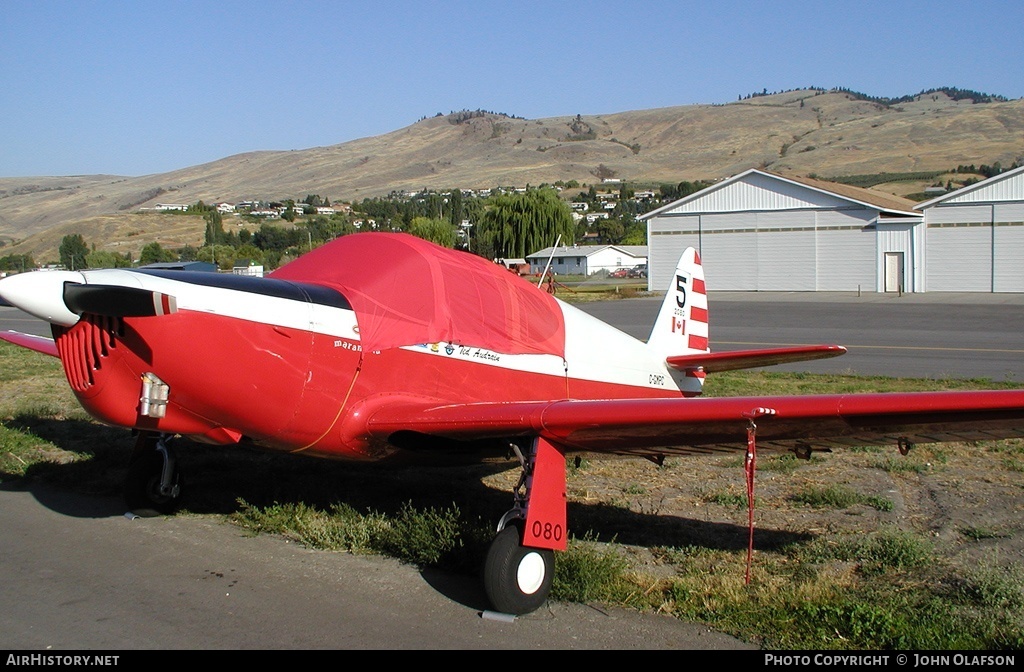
column 282, row 363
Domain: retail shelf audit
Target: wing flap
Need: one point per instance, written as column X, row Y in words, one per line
column 733, row 360
column 682, row 426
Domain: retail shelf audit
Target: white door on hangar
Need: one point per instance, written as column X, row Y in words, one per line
column 894, row 271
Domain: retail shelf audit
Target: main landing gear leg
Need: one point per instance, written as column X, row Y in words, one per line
column 520, row 563
column 153, row 485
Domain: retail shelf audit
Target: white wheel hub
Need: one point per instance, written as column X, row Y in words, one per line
column 530, row 573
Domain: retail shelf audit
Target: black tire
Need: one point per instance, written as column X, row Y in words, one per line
column 517, row 579
column 142, row 486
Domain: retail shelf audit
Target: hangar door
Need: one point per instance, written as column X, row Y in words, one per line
column 760, row 251
column 794, row 250
column 978, row 248
column 1008, row 248
column 959, row 258
column 787, row 251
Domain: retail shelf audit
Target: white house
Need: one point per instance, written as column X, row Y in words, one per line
column 247, row 267
column 587, row 259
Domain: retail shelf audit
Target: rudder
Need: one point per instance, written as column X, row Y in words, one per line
column 682, row 324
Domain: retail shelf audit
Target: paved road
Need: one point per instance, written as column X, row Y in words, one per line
column 78, row 574
column 936, row 335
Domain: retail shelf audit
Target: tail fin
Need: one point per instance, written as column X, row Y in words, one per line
column 682, row 324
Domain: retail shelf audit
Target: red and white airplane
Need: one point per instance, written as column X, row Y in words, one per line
column 382, row 346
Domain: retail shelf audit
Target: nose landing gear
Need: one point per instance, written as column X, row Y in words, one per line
column 153, row 484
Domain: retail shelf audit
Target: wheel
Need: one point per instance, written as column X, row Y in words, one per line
column 142, row 485
column 517, row 579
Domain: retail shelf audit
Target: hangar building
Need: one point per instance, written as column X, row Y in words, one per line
column 757, row 231
column 975, row 237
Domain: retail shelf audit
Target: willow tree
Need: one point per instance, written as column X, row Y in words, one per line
column 435, row 230
column 519, row 224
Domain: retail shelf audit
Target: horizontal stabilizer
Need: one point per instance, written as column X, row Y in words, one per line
column 117, row 301
column 751, row 359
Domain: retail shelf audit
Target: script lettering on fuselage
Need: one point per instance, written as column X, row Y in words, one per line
column 461, row 351
column 477, row 353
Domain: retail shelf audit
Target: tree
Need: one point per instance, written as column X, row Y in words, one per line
column 17, row 262
column 515, row 225
column 154, row 253
column 215, row 234
column 187, row 253
column 276, row 238
column 222, row 255
column 107, row 259
column 250, row 252
column 609, row 230
column 435, row 230
column 73, row 251
column 636, row 233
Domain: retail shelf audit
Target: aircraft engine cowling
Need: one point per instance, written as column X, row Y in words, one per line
column 222, row 378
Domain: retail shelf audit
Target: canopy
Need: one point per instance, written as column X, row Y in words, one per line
column 408, row 291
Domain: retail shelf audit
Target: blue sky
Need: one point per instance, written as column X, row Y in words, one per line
column 139, row 87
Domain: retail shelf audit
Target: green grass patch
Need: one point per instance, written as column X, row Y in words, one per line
column 589, row 572
column 727, row 498
column 980, row 533
column 839, row 497
column 429, row 537
column 875, row 553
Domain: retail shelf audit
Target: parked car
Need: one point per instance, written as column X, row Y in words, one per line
column 638, row 271
column 619, row 273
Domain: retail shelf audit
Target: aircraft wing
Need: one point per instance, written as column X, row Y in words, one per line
column 31, row 341
column 686, row 426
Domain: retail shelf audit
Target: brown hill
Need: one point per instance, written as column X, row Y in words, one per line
column 800, row 133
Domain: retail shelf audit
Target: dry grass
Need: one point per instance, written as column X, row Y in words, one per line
column 798, row 133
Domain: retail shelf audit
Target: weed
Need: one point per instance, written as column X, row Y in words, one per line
column 588, row 572
column 725, row 498
column 422, row 537
column 902, row 465
column 875, row 553
column 838, row 497
column 785, row 464
column 979, row 533
column 879, row 503
column 1011, row 464
column 993, row 587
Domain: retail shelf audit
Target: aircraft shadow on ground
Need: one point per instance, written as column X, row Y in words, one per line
column 223, row 480
column 219, row 479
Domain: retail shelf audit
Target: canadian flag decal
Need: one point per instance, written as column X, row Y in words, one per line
column 678, row 324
